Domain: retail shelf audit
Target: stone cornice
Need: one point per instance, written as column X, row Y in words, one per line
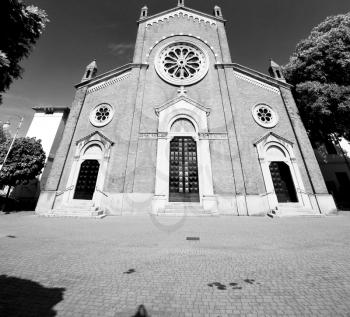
column 112, row 73
column 181, row 8
column 50, row 109
column 255, row 74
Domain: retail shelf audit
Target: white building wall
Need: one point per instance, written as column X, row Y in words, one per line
column 44, row 126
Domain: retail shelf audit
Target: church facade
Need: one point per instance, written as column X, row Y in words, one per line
column 182, row 127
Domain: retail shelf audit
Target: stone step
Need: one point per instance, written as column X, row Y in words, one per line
column 77, row 207
column 185, row 209
column 294, row 212
column 183, row 205
column 81, row 213
column 187, row 214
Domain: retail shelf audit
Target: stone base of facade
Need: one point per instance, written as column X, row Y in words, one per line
column 326, row 204
column 147, row 203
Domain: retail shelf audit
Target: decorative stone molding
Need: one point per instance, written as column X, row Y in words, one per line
column 148, row 136
column 183, row 34
column 182, row 98
column 201, row 136
column 273, row 148
column 108, row 83
column 98, row 136
column 274, row 136
column 257, row 83
column 153, row 136
column 181, row 13
column 101, row 152
column 213, row 136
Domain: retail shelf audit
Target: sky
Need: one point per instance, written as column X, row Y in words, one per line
column 80, row 31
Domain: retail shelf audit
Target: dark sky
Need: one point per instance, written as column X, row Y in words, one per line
column 82, row 30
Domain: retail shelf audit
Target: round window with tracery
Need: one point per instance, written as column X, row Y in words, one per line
column 101, row 115
column 265, row 116
column 182, row 63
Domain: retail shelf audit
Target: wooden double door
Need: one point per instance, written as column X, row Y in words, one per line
column 283, row 182
column 87, row 178
column 183, row 173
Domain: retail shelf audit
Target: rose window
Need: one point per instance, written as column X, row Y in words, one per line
column 265, row 116
column 101, row 115
column 182, row 63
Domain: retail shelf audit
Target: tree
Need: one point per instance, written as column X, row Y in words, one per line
column 2, row 134
column 21, row 26
column 25, row 161
column 319, row 69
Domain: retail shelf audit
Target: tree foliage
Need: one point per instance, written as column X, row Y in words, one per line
column 2, row 134
column 320, row 71
column 24, row 163
column 21, row 26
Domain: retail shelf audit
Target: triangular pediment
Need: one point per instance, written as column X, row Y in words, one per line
column 271, row 136
column 95, row 136
column 181, row 11
column 178, row 100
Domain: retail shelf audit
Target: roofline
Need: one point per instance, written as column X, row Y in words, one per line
column 255, row 74
column 51, row 108
column 182, row 8
column 107, row 75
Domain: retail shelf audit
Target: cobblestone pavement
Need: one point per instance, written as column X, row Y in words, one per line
column 241, row 266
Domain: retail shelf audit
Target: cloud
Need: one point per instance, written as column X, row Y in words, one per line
column 121, row 48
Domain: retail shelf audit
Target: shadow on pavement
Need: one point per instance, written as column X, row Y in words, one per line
column 20, row 297
column 141, row 312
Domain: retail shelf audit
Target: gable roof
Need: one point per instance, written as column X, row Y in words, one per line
column 181, row 10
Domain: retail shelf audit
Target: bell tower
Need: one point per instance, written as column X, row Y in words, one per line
column 275, row 71
column 90, row 71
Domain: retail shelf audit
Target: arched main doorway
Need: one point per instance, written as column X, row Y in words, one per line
column 283, row 182
column 87, row 178
column 183, row 163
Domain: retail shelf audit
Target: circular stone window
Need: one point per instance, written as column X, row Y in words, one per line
column 265, row 116
column 182, row 63
column 101, row 115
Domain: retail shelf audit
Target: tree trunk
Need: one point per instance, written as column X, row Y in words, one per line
column 8, row 192
column 3, row 207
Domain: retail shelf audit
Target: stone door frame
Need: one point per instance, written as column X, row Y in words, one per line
column 286, row 147
column 183, row 107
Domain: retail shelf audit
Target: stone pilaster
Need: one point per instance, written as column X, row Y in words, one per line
column 312, row 167
column 67, row 137
column 238, row 176
column 134, row 135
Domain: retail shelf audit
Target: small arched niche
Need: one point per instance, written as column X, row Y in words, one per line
column 182, row 125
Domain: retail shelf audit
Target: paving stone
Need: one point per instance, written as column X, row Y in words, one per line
column 264, row 267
